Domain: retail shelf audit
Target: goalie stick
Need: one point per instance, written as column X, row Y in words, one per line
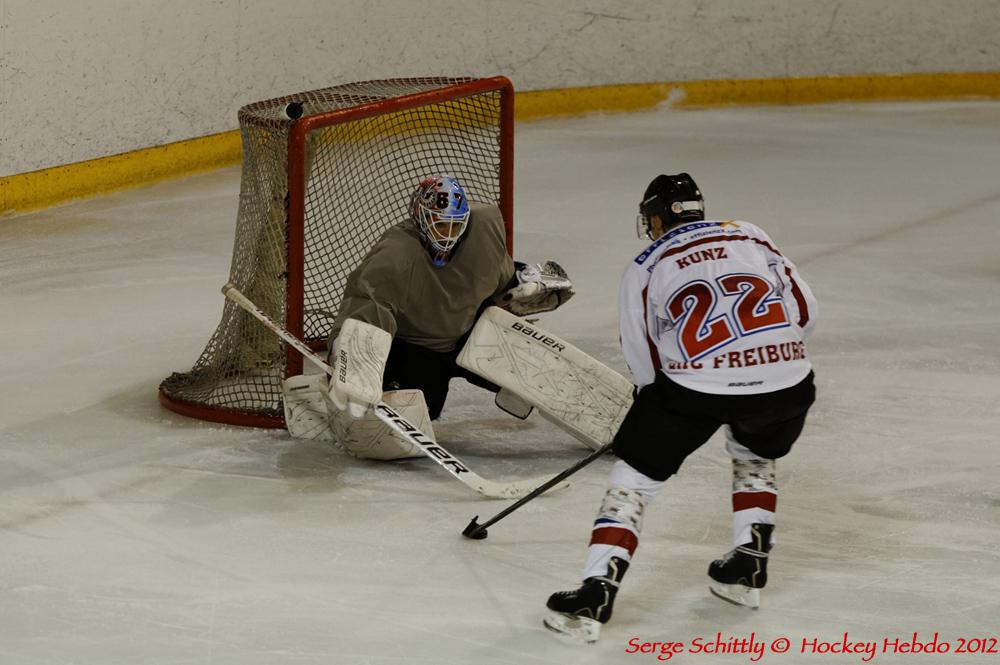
column 385, row 413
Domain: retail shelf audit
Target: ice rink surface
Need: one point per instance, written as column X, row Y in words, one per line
column 130, row 534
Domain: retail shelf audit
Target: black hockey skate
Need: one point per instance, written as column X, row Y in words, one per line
column 739, row 576
column 578, row 615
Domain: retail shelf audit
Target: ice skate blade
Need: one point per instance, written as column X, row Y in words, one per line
column 577, row 630
column 737, row 594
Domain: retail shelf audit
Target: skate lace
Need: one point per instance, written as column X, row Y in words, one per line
column 749, row 551
column 727, row 557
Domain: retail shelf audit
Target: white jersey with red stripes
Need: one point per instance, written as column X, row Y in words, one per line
column 718, row 308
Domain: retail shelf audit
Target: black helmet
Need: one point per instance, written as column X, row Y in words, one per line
column 674, row 199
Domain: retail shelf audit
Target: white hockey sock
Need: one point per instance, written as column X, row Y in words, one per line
column 755, row 493
column 619, row 522
column 755, row 497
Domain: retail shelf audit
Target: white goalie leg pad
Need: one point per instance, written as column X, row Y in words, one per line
column 305, row 406
column 370, row 438
column 358, row 359
column 576, row 392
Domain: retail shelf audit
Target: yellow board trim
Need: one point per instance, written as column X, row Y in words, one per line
column 39, row 189
column 749, row 92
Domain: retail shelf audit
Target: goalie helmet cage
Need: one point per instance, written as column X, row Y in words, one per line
column 316, row 192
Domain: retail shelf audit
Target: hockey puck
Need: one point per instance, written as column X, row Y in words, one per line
column 293, row 110
column 474, row 531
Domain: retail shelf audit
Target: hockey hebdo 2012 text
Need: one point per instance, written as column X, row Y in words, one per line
column 755, row 646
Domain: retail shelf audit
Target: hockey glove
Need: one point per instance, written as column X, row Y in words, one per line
column 540, row 288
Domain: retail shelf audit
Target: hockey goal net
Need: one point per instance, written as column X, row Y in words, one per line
column 315, row 193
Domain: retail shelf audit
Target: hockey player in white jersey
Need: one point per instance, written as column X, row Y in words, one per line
column 713, row 322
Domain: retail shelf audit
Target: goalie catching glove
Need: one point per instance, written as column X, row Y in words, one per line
column 358, row 360
column 540, row 288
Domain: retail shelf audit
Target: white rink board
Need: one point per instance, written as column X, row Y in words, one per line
column 80, row 81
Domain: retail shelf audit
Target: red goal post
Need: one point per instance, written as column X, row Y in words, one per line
column 315, row 193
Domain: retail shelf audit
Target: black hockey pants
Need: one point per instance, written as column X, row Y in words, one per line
column 667, row 422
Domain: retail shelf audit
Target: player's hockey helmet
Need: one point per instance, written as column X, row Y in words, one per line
column 440, row 211
column 675, row 199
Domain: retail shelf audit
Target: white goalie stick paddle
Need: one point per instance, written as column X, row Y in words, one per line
column 399, row 424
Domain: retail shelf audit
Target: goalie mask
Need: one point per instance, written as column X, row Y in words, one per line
column 440, row 211
column 675, row 199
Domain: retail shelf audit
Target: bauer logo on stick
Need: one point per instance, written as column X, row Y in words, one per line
column 418, row 437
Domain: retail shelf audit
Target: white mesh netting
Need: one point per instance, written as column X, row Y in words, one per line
column 359, row 175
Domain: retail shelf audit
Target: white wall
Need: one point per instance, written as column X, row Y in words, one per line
column 88, row 78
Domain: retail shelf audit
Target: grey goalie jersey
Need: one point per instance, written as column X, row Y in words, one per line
column 398, row 289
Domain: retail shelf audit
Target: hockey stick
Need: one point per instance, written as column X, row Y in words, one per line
column 477, row 531
column 385, row 413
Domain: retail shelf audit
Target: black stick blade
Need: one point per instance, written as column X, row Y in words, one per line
column 474, row 531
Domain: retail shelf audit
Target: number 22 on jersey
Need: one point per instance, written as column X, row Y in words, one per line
column 697, row 312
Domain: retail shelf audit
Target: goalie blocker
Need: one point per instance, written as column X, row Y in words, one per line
column 576, row 392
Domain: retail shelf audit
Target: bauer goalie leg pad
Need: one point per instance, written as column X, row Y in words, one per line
column 576, row 392
column 305, row 406
column 370, row 438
